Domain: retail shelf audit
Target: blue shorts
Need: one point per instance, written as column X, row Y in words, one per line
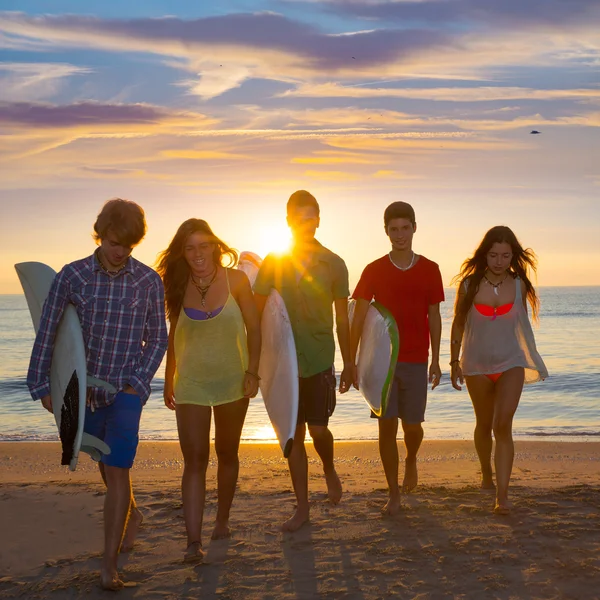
column 117, row 425
column 408, row 398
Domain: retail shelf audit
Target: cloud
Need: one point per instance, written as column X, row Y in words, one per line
column 93, row 115
column 445, row 94
column 337, row 176
column 240, row 46
column 35, row 81
column 503, row 13
column 382, row 174
column 391, row 144
column 199, row 154
column 321, row 158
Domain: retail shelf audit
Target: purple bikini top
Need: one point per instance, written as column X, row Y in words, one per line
column 201, row 315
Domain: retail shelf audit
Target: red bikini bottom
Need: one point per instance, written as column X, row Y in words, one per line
column 493, row 376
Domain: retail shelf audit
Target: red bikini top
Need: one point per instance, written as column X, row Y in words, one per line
column 493, row 311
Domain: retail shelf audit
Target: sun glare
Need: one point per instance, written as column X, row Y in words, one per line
column 274, row 238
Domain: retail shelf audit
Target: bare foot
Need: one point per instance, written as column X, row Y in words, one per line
column 294, row 523
column 502, row 507
column 487, row 484
column 411, row 475
column 334, row 487
column 194, row 553
column 392, row 506
column 221, row 531
column 109, row 580
column 133, row 524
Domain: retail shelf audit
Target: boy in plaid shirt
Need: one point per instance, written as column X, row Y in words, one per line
column 120, row 304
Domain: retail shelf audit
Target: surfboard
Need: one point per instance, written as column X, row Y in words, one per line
column 249, row 262
column 278, row 369
column 68, row 370
column 377, row 355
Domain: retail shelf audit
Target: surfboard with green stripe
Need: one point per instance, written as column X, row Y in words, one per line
column 377, row 356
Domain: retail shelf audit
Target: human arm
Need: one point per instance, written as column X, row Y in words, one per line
column 38, row 375
column 243, row 296
column 168, row 394
column 358, row 320
column 342, row 325
column 155, row 341
column 435, row 334
column 456, row 336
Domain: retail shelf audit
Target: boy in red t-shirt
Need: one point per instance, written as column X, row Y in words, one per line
column 410, row 287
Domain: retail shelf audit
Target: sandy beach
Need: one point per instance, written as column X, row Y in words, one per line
column 444, row 544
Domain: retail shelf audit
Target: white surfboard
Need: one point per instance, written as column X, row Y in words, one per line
column 278, row 367
column 377, row 356
column 250, row 264
column 68, row 371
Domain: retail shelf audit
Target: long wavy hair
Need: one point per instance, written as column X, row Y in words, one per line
column 174, row 269
column 473, row 269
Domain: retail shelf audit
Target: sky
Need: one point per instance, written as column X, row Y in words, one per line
column 221, row 109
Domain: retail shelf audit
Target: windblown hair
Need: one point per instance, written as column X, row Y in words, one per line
column 174, row 269
column 124, row 219
column 473, row 270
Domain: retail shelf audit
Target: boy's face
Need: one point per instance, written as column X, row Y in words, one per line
column 400, row 232
column 303, row 222
column 114, row 252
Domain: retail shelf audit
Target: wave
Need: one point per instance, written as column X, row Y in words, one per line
column 559, row 433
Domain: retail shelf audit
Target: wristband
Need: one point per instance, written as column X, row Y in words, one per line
column 253, row 375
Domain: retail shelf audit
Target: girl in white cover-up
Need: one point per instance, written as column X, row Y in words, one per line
column 499, row 353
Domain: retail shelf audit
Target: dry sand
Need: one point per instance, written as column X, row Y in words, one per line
column 444, row 544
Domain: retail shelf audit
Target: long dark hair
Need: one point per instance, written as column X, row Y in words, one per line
column 174, row 269
column 473, row 270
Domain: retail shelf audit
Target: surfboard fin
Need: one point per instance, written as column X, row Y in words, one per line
column 93, row 446
column 94, row 382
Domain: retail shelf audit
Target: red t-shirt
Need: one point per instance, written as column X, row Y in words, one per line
column 407, row 295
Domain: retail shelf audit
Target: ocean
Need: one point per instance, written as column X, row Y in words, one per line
column 566, row 405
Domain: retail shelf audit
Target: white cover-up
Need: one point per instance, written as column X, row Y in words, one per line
column 494, row 345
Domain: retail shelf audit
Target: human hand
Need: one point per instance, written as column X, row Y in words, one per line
column 130, row 390
column 47, row 403
column 355, row 377
column 250, row 385
column 346, row 379
column 435, row 374
column 456, row 375
column 169, row 397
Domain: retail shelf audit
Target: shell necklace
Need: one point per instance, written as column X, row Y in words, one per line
column 203, row 289
column 412, row 262
column 495, row 285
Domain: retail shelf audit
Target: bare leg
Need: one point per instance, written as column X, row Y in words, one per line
column 298, row 464
column 413, row 436
column 507, row 394
column 193, row 425
column 388, row 450
column 134, row 519
column 481, row 391
column 323, row 442
column 116, row 510
column 229, row 420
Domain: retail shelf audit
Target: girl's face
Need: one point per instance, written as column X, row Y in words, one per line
column 199, row 253
column 499, row 258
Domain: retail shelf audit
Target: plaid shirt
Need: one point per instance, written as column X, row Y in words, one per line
column 123, row 321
